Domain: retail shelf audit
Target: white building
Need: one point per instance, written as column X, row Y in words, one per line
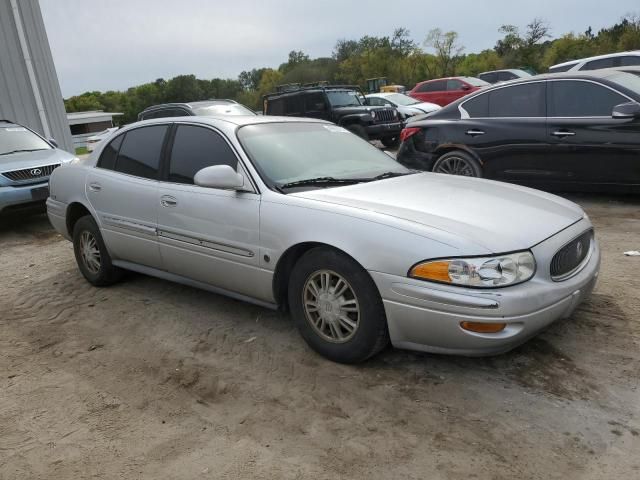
column 86, row 124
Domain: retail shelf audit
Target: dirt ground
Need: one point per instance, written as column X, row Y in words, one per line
column 149, row 380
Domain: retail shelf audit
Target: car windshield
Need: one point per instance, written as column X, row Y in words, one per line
column 476, row 82
column 627, row 80
column 14, row 139
column 223, row 109
column 400, row 99
column 343, row 98
column 295, row 151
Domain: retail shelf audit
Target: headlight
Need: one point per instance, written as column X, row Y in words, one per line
column 373, row 114
column 481, row 272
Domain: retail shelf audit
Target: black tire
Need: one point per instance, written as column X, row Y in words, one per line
column 458, row 161
column 103, row 275
column 359, row 130
column 371, row 334
column 391, row 142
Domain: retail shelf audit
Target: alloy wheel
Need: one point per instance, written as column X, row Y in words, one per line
column 331, row 306
column 90, row 252
column 454, row 166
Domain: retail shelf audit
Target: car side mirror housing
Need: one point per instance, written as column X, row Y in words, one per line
column 626, row 110
column 53, row 142
column 219, row 176
column 465, row 87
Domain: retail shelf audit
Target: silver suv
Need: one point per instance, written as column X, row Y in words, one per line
column 26, row 161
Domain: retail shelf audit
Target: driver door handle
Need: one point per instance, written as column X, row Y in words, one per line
column 563, row 133
column 95, row 187
column 474, row 133
column 168, row 201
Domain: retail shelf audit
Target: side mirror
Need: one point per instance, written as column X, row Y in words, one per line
column 219, row 176
column 626, row 110
column 465, row 87
column 388, row 105
column 53, row 142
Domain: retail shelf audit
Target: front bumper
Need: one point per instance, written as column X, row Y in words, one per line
column 380, row 130
column 426, row 317
column 23, row 196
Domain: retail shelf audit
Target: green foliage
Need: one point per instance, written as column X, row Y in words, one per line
column 396, row 57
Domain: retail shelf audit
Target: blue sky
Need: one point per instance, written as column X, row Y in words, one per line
column 115, row 44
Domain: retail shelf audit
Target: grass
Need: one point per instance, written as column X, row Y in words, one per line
column 81, row 151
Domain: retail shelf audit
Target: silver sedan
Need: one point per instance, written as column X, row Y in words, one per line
column 302, row 215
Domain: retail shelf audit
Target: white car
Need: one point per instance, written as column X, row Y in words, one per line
column 301, row 214
column 406, row 106
column 621, row 59
column 98, row 137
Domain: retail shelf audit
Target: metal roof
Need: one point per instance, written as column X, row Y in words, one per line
column 77, row 118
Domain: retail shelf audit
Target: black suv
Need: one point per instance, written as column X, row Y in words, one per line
column 202, row 108
column 343, row 105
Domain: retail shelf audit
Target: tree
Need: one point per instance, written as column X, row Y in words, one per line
column 402, row 43
column 447, row 50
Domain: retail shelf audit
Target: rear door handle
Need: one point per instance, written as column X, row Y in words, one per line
column 563, row 133
column 95, row 187
column 474, row 133
column 168, row 201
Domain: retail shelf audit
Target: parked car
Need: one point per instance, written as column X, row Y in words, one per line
column 621, row 59
column 443, row 91
column 300, row 214
column 206, row 107
column 342, row 105
column 93, row 140
column 496, row 76
column 26, row 161
column 407, row 107
column 577, row 131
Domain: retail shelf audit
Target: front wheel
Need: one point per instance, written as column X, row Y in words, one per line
column 458, row 163
column 336, row 306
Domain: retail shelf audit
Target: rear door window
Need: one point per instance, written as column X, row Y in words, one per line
column 525, row 100
column 140, row 151
column 581, row 99
column 478, row 106
column 110, row 153
column 489, row 77
column 195, row 148
column 436, row 86
column 454, row 85
column 275, row 106
column 295, row 105
column 505, row 76
column 601, row 63
column 629, row 61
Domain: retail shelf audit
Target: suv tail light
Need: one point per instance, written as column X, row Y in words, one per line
column 408, row 132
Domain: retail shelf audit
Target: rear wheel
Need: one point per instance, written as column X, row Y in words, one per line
column 91, row 254
column 336, row 306
column 359, row 130
column 458, row 163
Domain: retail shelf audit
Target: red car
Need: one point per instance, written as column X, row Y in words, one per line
column 443, row 91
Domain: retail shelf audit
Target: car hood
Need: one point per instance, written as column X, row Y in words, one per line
column 497, row 217
column 22, row 160
column 422, row 107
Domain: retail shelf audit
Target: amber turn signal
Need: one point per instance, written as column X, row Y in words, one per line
column 479, row 327
column 438, row 271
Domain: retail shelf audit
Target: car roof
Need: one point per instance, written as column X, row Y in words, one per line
column 512, row 70
column 239, row 120
column 597, row 57
column 199, row 103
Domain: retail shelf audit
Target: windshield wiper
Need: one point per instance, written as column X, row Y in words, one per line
column 322, row 181
column 24, row 150
column 343, row 181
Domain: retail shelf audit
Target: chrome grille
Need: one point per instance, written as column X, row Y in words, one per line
column 570, row 258
column 385, row 116
column 33, row 173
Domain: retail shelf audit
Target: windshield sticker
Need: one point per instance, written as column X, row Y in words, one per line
column 15, row 129
column 335, row 129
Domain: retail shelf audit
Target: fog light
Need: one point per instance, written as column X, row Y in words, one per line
column 483, row 327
